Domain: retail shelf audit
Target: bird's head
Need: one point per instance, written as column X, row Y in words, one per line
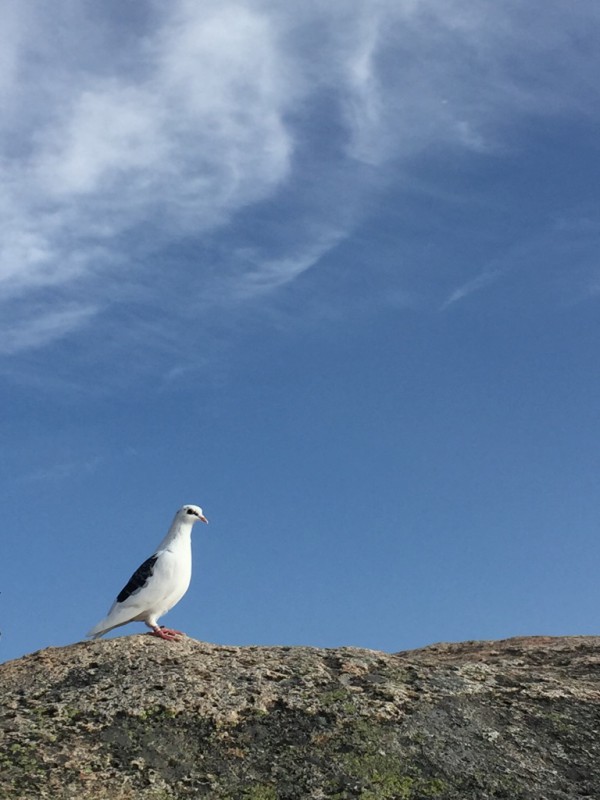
column 191, row 513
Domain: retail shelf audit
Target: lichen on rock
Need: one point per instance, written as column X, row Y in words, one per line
column 135, row 717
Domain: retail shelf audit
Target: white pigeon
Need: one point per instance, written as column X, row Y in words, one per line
column 159, row 583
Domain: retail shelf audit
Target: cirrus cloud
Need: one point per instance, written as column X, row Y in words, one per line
column 131, row 130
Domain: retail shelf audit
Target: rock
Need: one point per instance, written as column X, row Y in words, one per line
column 136, row 717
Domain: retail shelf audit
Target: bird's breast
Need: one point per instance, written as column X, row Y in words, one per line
column 176, row 565
column 174, row 572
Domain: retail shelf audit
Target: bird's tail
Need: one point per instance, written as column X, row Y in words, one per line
column 98, row 630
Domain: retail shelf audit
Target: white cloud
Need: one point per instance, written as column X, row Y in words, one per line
column 173, row 150
column 57, row 471
column 475, row 284
column 259, row 275
column 126, row 134
column 564, row 250
column 431, row 73
column 36, row 329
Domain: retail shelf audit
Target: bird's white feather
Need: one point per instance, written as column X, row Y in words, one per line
column 169, row 580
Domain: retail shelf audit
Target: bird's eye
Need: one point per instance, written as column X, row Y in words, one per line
column 189, row 511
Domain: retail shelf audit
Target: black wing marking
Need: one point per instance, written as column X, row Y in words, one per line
column 138, row 579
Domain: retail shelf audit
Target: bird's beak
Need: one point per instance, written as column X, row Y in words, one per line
column 203, row 518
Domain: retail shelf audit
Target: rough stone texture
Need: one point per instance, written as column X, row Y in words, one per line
column 137, row 717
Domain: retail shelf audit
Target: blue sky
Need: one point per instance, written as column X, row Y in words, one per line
column 330, row 272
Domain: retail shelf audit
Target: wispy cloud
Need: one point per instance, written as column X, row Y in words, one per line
column 475, row 284
column 125, row 136
column 31, row 329
column 167, row 150
column 423, row 74
column 565, row 251
column 62, row 470
column 260, row 274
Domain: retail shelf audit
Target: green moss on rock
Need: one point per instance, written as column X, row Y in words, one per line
column 135, row 719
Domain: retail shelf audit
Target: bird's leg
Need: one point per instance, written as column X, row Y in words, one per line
column 163, row 633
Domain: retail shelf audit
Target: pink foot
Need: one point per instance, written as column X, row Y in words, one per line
column 165, row 633
column 171, row 631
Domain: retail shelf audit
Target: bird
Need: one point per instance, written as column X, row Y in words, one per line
column 159, row 583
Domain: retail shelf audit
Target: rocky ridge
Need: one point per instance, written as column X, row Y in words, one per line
column 136, row 717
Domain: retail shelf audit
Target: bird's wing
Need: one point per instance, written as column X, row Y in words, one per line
column 136, row 597
column 138, row 580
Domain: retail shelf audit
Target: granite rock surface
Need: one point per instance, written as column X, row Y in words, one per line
column 140, row 718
